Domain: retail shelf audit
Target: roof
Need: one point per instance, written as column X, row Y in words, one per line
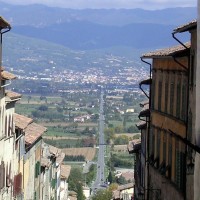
column 32, row 132
column 13, row 95
column 116, row 194
column 143, row 103
column 186, row 27
column 7, row 75
column 129, row 176
column 4, row 24
column 60, row 157
column 21, row 121
column 65, row 171
column 134, row 146
column 145, row 112
column 126, row 186
column 171, row 51
column 141, row 125
column 45, row 162
column 146, row 82
column 54, row 151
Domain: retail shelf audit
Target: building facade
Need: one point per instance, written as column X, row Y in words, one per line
column 170, row 137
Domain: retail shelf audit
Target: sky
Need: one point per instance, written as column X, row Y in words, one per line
column 81, row 4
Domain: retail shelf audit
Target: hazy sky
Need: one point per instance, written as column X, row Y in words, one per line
column 146, row 4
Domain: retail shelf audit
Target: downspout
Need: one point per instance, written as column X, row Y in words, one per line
column 188, row 82
column 148, row 132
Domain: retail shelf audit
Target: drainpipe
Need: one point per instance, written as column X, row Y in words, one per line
column 188, row 82
column 148, row 132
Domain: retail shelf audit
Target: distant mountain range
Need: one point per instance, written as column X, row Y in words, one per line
column 40, row 15
column 95, row 29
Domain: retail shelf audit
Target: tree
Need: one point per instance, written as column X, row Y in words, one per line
column 102, row 195
column 80, row 195
column 110, row 178
column 43, row 108
column 29, row 98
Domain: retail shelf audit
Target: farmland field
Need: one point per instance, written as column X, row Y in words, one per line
column 87, row 152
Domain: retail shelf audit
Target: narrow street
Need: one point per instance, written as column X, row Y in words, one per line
column 99, row 182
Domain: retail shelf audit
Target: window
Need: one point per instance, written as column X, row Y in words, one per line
column 159, row 95
column 171, row 98
column 178, row 99
column 158, row 148
column 184, row 102
column 2, row 175
column 152, row 93
column 166, row 94
column 179, row 167
column 169, row 156
column 192, row 69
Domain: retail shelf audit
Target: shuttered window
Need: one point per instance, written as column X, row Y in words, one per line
column 6, row 125
column 159, row 95
column 17, row 184
column 2, row 175
column 171, row 98
column 178, row 100
column 166, row 94
column 180, row 168
column 37, row 169
column 169, row 156
column 152, row 93
column 184, row 102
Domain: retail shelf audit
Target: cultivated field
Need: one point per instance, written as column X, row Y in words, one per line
column 87, row 152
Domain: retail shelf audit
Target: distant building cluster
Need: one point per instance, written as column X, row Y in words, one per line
column 166, row 155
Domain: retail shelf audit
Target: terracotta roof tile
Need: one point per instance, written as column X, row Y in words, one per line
column 116, row 194
column 167, row 51
column 134, row 145
column 60, row 157
column 65, row 171
column 7, row 75
column 21, row 121
column 141, row 125
column 126, row 186
column 32, row 132
column 45, row 162
column 186, row 27
column 13, row 95
column 3, row 23
column 55, row 151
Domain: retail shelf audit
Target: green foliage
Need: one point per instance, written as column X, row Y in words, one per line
column 75, row 182
column 43, row 108
column 91, row 174
column 132, row 129
column 121, row 180
column 103, row 195
column 64, row 143
column 119, row 162
column 74, row 158
column 110, row 177
column 121, row 140
column 109, row 133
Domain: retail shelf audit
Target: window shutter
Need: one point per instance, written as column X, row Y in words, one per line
column 166, row 94
column 6, row 132
column 159, row 95
column 171, row 98
column 178, row 100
